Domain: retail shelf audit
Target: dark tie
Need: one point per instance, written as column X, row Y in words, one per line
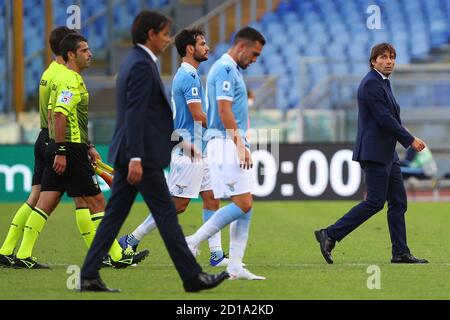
column 388, row 83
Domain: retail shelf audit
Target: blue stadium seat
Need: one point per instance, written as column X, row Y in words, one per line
column 2, row 60
column 310, row 28
column 337, row 30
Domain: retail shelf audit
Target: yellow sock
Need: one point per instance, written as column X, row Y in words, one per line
column 16, row 229
column 33, row 228
column 85, row 225
column 115, row 252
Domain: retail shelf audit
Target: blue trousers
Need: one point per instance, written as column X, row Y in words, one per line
column 383, row 183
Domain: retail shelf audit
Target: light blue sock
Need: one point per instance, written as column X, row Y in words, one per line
column 207, row 214
column 215, row 241
column 220, row 219
column 144, row 228
column 216, row 255
column 239, row 231
column 132, row 241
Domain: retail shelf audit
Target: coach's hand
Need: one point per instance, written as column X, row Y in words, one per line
column 134, row 172
column 59, row 164
column 418, row 144
column 94, row 155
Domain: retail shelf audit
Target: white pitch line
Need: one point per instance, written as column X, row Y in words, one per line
column 286, row 265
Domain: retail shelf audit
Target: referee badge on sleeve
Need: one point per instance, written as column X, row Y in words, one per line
column 65, row 97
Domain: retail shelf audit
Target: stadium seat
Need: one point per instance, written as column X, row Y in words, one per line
column 334, row 30
column 94, row 29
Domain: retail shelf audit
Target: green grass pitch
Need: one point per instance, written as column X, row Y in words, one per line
column 281, row 247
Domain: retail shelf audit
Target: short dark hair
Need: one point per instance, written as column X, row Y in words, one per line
column 56, row 37
column 145, row 21
column 379, row 49
column 187, row 37
column 249, row 34
column 70, row 43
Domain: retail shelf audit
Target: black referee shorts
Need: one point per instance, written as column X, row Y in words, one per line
column 39, row 156
column 79, row 179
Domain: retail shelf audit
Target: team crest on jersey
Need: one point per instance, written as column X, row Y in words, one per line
column 180, row 188
column 226, row 86
column 194, row 91
column 231, row 186
column 65, row 97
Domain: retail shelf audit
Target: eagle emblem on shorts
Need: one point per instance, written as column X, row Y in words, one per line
column 231, row 186
column 180, row 188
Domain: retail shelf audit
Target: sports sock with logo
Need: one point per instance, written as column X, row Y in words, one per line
column 16, row 229
column 85, row 225
column 33, row 228
column 115, row 252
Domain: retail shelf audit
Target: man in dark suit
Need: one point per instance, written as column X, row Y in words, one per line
column 140, row 148
column 379, row 129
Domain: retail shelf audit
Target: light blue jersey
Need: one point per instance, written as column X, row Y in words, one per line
column 186, row 89
column 225, row 82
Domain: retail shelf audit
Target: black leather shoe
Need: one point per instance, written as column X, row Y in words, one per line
column 407, row 258
column 204, row 281
column 96, row 285
column 326, row 244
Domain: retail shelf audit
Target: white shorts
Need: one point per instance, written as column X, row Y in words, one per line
column 186, row 178
column 227, row 177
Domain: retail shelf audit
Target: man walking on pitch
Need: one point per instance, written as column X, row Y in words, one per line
column 379, row 129
column 229, row 158
column 140, row 149
column 68, row 168
column 189, row 172
column 20, row 218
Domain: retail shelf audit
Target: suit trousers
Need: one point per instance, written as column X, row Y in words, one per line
column 383, row 182
column 153, row 188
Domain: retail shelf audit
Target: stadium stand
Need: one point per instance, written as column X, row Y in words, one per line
column 297, row 28
column 94, row 27
column 335, row 30
column 2, row 59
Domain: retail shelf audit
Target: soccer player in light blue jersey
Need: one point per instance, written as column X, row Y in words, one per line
column 189, row 173
column 229, row 158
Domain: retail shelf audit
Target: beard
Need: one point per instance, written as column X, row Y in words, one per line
column 200, row 58
column 242, row 66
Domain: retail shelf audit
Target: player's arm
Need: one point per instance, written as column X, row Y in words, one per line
column 229, row 122
column 191, row 92
column 197, row 113
column 93, row 154
column 49, row 115
column 190, row 150
column 67, row 99
column 59, row 164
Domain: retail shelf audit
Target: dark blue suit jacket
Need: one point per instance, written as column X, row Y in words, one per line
column 144, row 122
column 379, row 124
